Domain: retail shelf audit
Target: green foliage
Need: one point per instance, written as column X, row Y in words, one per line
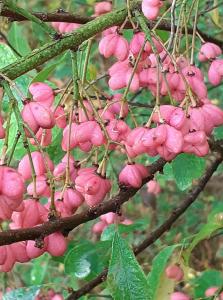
column 186, row 168
column 110, row 231
column 14, row 36
column 206, row 279
column 126, row 280
column 39, row 269
column 86, row 260
column 45, row 72
column 214, row 223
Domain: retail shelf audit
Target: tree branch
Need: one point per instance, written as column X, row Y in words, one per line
column 69, row 41
column 75, row 18
column 157, row 233
column 67, row 224
column 72, row 41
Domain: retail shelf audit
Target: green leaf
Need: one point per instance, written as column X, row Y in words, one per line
column 205, row 280
column 214, row 223
column 126, row 280
column 86, row 259
column 43, row 74
column 218, row 133
column 14, row 36
column 186, row 168
column 6, row 55
column 39, row 269
column 160, row 285
column 28, row 293
column 55, row 152
column 109, row 232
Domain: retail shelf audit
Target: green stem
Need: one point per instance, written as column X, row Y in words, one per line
column 87, row 57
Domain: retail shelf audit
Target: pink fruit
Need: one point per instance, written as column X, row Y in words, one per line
column 72, row 199
column 102, row 7
column 179, row 296
column 209, row 51
column 115, row 108
column 99, row 227
column 34, row 252
column 11, row 184
column 174, row 272
column 195, row 79
column 150, row 8
column 63, row 27
column 39, row 163
column 109, row 218
column 117, row 130
column 60, row 117
column 153, row 187
column 34, row 213
column 83, row 135
column 42, row 187
column 42, row 93
column 57, row 297
column 37, row 116
column 92, row 186
column 114, row 44
column 211, row 292
column 133, row 175
column 56, row 244
column 43, row 136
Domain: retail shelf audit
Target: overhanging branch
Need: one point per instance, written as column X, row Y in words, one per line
column 72, row 41
column 69, row 223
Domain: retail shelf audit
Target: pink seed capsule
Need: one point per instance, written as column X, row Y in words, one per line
column 133, row 175
column 42, row 93
column 150, row 8
column 32, row 251
column 11, row 184
column 56, row 244
column 39, row 163
column 102, row 7
column 109, row 218
column 179, row 296
column 72, row 199
column 99, row 227
column 174, row 272
column 42, row 187
column 60, row 117
column 209, row 51
column 57, row 297
column 37, row 116
column 43, row 136
column 153, row 187
column 114, row 44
